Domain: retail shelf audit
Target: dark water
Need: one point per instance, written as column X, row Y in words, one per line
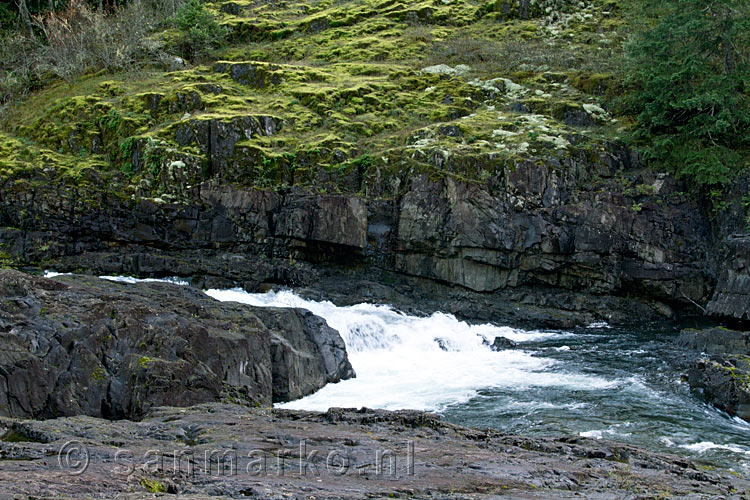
column 647, row 404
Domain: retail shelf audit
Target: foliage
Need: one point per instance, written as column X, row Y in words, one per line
column 690, row 78
column 77, row 38
column 8, row 16
column 153, row 486
column 111, row 120
column 126, row 156
column 199, row 30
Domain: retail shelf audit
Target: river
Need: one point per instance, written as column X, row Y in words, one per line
column 621, row 384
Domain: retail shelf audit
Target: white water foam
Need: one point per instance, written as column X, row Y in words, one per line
column 125, row 279
column 599, row 324
column 611, row 432
column 705, row 446
column 128, row 279
column 400, row 362
column 54, row 274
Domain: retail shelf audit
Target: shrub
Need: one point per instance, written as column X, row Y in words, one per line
column 7, row 16
column 199, row 30
column 77, row 39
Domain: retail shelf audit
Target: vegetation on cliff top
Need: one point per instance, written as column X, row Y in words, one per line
column 324, row 94
column 690, row 72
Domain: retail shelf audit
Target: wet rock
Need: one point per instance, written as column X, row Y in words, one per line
column 723, row 377
column 342, row 454
column 444, row 344
column 724, row 382
column 295, row 371
column 82, row 345
column 502, row 344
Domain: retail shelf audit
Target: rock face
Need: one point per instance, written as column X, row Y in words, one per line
column 208, row 452
column 715, row 341
column 306, row 353
column 732, row 297
column 81, row 345
column 557, row 243
column 723, row 376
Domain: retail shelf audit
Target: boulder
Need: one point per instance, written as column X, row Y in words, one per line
column 724, row 382
column 722, row 373
column 306, row 353
column 82, row 345
column 502, row 344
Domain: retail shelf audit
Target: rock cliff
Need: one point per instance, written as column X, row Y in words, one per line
column 456, row 155
column 558, row 244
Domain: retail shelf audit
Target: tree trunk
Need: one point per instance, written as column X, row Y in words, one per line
column 23, row 10
column 727, row 45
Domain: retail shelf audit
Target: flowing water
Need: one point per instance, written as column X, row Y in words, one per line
column 598, row 382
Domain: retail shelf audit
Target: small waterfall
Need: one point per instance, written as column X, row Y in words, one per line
column 424, row 363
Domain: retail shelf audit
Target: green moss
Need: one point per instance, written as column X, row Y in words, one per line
column 111, row 88
column 599, row 84
column 153, row 486
column 99, row 374
column 22, row 161
column 560, row 109
column 144, row 361
column 344, row 78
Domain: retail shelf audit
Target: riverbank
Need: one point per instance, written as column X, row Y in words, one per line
column 340, row 452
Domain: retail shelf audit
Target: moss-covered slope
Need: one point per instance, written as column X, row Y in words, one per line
column 319, row 93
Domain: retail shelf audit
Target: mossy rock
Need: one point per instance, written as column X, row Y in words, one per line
column 345, row 79
column 153, row 486
column 599, row 84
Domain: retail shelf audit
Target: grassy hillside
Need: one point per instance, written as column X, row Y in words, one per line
column 311, row 93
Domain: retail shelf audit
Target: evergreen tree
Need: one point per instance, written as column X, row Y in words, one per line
column 690, row 79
